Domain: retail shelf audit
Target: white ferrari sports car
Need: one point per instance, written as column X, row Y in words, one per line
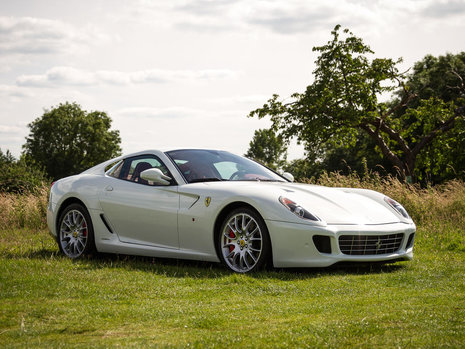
column 214, row 206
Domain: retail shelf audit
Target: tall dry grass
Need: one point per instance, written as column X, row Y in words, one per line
column 438, row 211
column 26, row 210
column 445, row 202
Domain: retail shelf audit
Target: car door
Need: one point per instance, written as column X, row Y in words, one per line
column 139, row 211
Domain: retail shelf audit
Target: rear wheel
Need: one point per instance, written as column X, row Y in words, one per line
column 75, row 232
column 244, row 243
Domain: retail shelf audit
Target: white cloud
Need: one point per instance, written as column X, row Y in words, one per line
column 14, row 91
column 284, row 17
column 248, row 99
column 58, row 76
column 10, row 130
column 442, row 9
column 156, row 113
column 29, row 35
column 298, row 16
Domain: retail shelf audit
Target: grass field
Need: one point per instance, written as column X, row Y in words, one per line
column 47, row 300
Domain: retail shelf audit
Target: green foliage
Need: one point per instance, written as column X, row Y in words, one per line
column 67, row 140
column 343, row 103
column 268, row 149
column 445, row 158
column 440, row 77
column 438, row 83
column 302, row 169
column 343, row 94
column 19, row 176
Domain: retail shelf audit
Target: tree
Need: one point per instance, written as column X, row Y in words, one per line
column 268, row 149
column 343, row 101
column 440, row 78
column 67, row 140
column 18, row 176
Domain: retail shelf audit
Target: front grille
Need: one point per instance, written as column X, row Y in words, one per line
column 370, row 244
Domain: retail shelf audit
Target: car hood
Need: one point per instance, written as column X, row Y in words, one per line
column 331, row 205
column 342, row 205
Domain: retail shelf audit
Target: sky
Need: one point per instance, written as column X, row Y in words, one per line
column 175, row 74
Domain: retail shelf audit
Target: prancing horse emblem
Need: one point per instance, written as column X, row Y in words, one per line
column 378, row 244
column 207, row 201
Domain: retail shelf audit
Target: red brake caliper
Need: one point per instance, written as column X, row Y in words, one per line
column 231, row 235
column 85, row 229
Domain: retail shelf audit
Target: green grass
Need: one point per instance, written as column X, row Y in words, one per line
column 47, row 300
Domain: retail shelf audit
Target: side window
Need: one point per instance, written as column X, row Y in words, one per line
column 115, row 169
column 131, row 168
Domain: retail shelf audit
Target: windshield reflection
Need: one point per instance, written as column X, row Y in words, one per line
column 216, row 165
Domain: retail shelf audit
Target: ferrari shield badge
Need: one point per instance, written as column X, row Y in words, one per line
column 208, row 199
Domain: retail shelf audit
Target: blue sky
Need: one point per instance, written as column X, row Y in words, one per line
column 186, row 73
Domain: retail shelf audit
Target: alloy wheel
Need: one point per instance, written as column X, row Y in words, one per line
column 242, row 242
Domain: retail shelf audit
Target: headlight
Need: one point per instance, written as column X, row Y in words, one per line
column 299, row 211
column 398, row 207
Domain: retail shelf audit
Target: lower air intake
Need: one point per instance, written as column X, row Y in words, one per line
column 322, row 243
column 370, row 244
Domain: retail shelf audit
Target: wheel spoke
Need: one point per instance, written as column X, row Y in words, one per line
column 256, row 230
column 246, row 228
column 244, row 258
column 251, row 256
column 234, row 230
column 82, row 243
column 66, row 223
column 236, row 257
column 79, row 225
column 65, row 247
column 241, row 263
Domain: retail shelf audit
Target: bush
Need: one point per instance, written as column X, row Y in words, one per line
column 17, row 176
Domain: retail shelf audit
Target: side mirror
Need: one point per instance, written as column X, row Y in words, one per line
column 155, row 175
column 288, row 176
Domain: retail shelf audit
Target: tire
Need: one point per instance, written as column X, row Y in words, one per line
column 75, row 233
column 243, row 241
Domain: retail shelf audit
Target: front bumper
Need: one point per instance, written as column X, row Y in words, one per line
column 293, row 244
column 51, row 213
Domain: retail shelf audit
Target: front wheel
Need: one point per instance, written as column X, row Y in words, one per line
column 75, row 232
column 243, row 242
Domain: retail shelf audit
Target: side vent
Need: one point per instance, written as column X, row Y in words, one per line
column 106, row 223
column 410, row 240
column 322, row 243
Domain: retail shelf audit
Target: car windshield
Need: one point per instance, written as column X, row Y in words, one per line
column 215, row 165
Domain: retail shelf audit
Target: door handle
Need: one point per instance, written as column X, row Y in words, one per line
column 109, row 188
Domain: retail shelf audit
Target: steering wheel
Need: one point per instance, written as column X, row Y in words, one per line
column 239, row 174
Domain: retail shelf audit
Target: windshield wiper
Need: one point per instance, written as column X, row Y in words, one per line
column 209, row 179
column 260, row 180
